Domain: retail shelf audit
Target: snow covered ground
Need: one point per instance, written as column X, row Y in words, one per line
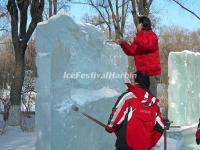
column 16, row 139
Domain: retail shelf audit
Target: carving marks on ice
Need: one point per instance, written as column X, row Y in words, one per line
column 43, row 54
column 81, row 96
column 174, row 77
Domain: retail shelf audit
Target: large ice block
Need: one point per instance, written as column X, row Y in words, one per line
column 75, row 66
column 184, row 87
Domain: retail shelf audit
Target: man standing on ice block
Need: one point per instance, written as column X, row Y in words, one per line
column 145, row 50
column 136, row 118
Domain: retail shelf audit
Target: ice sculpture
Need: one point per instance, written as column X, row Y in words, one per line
column 184, row 87
column 75, row 66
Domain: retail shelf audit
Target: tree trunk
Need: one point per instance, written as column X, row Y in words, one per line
column 131, row 66
column 20, row 37
column 14, row 115
column 117, row 35
column 55, row 7
column 50, row 8
column 16, row 87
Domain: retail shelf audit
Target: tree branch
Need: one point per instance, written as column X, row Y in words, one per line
column 150, row 2
column 23, row 7
column 84, row 3
column 113, row 14
column 13, row 11
column 4, row 30
column 3, row 14
column 124, row 3
column 96, row 7
column 198, row 17
column 134, row 12
column 37, row 7
column 124, row 14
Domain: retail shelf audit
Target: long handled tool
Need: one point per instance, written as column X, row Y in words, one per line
column 165, row 138
column 76, row 109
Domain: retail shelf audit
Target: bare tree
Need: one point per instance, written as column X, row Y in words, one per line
column 21, row 35
column 112, row 13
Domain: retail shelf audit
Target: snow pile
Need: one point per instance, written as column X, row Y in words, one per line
column 76, row 66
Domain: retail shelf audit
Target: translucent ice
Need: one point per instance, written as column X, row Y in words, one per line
column 76, row 66
column 184, row 87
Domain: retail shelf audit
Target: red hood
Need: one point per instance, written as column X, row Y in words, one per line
column 145, row 97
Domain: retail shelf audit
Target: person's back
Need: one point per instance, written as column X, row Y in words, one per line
column 147, row 55
column 145, row 51
column 136, row 120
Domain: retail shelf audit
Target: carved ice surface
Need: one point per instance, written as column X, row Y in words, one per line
column 183, row 98
column 184, row 87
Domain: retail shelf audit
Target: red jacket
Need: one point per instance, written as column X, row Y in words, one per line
column 136, row 119
column 146, row 53
column 198, row 134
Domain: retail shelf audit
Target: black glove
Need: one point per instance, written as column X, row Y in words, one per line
column 167, row 123
column 198, row 141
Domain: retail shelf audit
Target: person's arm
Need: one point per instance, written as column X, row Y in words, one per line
column 157, row 130
column 118, row 113
column 127, row 48
column 147, row 41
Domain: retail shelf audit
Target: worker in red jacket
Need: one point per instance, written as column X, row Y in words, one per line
column 136, row 118
column 198, row 134
column 145, row 50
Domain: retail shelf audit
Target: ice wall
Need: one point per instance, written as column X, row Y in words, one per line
column 184, row 87
column 67, row 54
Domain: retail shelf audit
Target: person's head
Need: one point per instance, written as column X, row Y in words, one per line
column 142, row 79
column 144, row 23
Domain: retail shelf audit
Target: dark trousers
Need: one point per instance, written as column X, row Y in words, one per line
column 154, row 80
